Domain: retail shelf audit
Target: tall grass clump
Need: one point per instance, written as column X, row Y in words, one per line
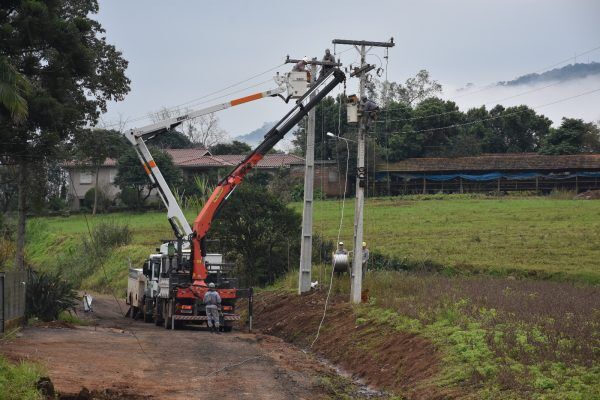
column 48, row 294
column 19, row 381
column 80, row 260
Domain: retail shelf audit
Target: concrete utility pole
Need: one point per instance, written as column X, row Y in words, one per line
column 304, row 278
column 361, row 46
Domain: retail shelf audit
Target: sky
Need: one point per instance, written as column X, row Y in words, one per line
column 181, row 51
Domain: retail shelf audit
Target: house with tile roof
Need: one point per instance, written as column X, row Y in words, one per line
column 198, row 161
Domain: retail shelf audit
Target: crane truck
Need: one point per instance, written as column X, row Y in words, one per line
column 170, row 287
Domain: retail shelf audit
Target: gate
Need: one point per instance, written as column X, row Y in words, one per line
column 12, row 299
column 1, row 302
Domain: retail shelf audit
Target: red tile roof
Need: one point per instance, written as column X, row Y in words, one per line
column 183, row 155
column 201, row 158
column 269, row 161
column 496, row 162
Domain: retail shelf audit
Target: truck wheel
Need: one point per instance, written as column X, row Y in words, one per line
column 157, row 313
column 167, row 315
column 147, row 316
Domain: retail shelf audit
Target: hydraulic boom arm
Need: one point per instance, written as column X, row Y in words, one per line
column 137, row 137
column 226, row 186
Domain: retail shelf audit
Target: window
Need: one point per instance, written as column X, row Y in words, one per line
column 111, row 175
column 85, row 177
column 332, row 176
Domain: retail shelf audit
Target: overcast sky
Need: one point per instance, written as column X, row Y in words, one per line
column 181, row 50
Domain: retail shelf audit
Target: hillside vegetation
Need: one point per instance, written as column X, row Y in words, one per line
column 433, row 336
column 539, row 237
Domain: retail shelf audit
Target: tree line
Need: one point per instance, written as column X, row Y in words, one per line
column 415, row 122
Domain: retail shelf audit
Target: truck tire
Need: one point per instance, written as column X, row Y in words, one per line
column 158, row 313
column 167, row 313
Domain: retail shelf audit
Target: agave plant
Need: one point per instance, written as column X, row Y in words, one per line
column 48, row 294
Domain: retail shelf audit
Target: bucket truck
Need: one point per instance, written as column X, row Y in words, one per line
column 170, row 287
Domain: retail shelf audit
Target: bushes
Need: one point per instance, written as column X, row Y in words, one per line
column 48, row 294
column 103, row 201
column 107, row 235
column 130, row 198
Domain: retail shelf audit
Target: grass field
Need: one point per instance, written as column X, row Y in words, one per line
column 539, row 237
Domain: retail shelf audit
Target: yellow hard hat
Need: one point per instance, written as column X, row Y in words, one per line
column 364, row 244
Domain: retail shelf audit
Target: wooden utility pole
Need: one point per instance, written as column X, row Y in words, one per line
column 356, row 277
column 304, row 278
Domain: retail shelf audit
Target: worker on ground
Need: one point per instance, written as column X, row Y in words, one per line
column 370, row 109
column 340, row 259
column 341, row 249
column 300, row 66
column 365, row 258
column 328, row 57
column 212, row 302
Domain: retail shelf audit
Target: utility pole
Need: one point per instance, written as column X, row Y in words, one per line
column 304, row 278
column 356, row 277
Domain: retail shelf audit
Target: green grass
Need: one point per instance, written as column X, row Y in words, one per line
column 498, row 338
column 18, row 381
column 541, row 237
column 72, row 319
column 535, row 236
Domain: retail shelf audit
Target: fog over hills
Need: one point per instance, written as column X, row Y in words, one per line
column 539, row 90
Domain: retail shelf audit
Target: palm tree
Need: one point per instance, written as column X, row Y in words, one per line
column 13, row 87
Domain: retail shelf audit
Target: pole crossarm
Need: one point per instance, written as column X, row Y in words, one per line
column 314, row 62
column 364, row 43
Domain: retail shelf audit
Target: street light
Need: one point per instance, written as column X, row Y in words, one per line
column 339, row 137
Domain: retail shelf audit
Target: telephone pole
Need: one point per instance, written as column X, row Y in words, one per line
column 304, row 278
column 363, row 47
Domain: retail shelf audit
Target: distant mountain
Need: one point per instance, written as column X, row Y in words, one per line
column 566, row 73
column 256, row 136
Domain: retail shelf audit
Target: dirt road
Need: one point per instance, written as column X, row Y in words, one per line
column 139, row 360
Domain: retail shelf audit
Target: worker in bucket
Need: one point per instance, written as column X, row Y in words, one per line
column 365, row 258
column 327, row 58
column 212, row 303
column 300, row 66
column 370, row 109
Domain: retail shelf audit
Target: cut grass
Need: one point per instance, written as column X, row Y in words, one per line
column 536, row 237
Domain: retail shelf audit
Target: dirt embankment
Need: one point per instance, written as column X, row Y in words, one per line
column 378, row 355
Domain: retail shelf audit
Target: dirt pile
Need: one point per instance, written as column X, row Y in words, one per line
column 589, row 195
column 376, row 354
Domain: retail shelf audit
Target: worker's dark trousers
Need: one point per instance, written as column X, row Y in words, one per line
column 212, row 312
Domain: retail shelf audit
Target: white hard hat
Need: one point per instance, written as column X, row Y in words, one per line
column 305, row 59
column 211, row 285
column 340, row 243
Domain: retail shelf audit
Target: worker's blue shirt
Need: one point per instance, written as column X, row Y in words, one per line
column 212, row 299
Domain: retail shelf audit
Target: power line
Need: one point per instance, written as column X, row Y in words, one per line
column 206, row 95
